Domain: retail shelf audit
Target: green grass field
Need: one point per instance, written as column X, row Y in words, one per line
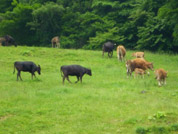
column 106, row 103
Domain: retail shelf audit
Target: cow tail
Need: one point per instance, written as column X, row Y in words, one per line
column 62, row 75
column 14, row 68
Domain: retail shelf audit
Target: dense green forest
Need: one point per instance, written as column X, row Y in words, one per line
column 137, row 24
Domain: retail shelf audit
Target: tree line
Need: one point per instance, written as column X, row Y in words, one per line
column 137, row 24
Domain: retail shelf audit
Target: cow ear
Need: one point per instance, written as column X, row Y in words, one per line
column 38, row 65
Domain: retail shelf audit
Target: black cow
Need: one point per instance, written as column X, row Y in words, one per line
column 26, row 66
column 9, row 40
column 74, row 70
column 108, row 47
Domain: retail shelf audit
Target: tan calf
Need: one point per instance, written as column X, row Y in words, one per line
column 138, row 54
column 55, row 42
column 121, row 52
column 161, row 75
column 139, row 71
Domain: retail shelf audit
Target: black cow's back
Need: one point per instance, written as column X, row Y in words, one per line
column 74, row 70
column 108, row 46
column 25, row 66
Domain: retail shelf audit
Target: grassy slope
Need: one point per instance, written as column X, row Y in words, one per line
column 107, row 102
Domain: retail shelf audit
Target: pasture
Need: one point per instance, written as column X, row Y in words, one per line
column 105, row 103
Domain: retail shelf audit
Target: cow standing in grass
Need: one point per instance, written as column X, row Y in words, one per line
column 121, row 52
column 55, row 42
column 7, row 40
column 139, row 71
column 138, row 63
column 108, row 47
column 74, row 70
column 138, row 54
column 161, row 75
column 26, row 66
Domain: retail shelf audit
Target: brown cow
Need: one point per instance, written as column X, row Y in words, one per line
column 161, row 75
column 138, row 63
column 55, row 42
column 121, row 52
column 138, row 54
column 140, row 72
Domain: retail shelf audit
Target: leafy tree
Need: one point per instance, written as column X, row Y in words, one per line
column 137, row 24
column 5, row 5
column 47, row 21
column 15, row 22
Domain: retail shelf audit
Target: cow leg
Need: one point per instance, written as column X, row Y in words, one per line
column 118, row 56
column 129, row 73
column 33, row 74
column 103, row 54
column 68, row 79
column 53, row 45
column 80, row 79
column 111, row 54
column 77, row 79
column 121, row 58
column 19, row 75
column 63, row 79
column 164, row 81
column 58, row 45
column 159, row 82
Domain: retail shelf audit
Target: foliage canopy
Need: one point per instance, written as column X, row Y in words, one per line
column 137, row 24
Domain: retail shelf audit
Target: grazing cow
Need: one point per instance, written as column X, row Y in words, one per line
column 74, row 70
column 9, row 40
column 26, row 66
column 140, row 72
column 138, row 63
column 138, row 54
column 121, row 52
column 161, row 75
column 108, row 47
column 55, row 42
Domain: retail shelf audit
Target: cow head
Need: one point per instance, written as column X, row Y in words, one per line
column 150, row 65
column 133, row 54
column 129, row 67
column 88, row 71
column 39, row 69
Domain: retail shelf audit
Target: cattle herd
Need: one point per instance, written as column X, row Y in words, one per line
column 138, row 65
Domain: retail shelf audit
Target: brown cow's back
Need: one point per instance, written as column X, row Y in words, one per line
column 138, row 63
column 121, row 52
column 138, row 54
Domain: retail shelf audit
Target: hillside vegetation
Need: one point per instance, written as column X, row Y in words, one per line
column 106, row 103
column 137, row 24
